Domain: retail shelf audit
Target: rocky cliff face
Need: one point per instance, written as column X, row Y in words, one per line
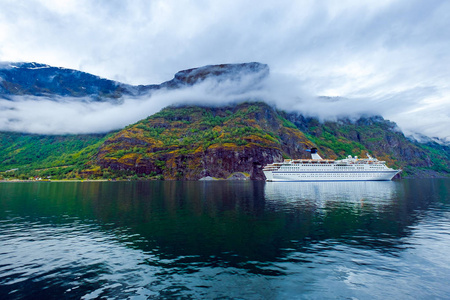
column 222, row 72
column 216, row 162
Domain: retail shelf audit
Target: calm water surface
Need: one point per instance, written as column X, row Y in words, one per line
column 225, row 240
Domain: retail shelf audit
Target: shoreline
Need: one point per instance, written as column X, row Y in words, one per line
column 60, row 180
column 125, row 180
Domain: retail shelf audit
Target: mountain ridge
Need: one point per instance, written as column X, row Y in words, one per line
column 191, row 142
column 35, row 79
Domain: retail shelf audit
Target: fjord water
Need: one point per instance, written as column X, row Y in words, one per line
column 230, row 240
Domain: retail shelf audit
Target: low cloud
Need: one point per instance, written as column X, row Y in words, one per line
column 428, row 116
column 44, row 115
column 69, row 115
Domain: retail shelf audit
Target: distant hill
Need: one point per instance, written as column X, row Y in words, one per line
column 18, row 79
column 46, row 155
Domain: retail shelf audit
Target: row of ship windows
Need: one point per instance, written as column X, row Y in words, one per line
column 314, row 165
column 332, row 165
column 336, row 168
column 335, row 175
column 329, row 165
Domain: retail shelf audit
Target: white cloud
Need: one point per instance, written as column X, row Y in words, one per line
column 74, row 115
column 48, row 116
column 391, row 55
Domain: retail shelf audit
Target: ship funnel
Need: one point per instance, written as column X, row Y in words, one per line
column 314, row 154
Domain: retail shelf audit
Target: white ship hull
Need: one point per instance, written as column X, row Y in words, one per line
column 330, row 176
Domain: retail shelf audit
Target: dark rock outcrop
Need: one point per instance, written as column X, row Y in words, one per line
column 234, row 72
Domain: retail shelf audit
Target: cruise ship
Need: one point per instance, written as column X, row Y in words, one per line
column 318, row 169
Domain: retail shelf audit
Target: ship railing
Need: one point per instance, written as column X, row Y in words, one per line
column 312, row 161
column 270, row 169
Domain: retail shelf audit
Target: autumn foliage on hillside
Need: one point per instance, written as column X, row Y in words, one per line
column 233, row 141
column 192, row 142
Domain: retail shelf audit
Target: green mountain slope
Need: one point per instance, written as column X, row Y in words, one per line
column 379, row 137
column 193, row 142
column 46, row 155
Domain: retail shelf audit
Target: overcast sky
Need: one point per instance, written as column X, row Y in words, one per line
column 388, row 56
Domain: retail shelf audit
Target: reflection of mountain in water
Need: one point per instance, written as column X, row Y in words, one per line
column 232, row 220
column 375, row 192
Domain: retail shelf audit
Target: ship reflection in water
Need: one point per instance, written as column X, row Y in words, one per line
column 381, row 192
